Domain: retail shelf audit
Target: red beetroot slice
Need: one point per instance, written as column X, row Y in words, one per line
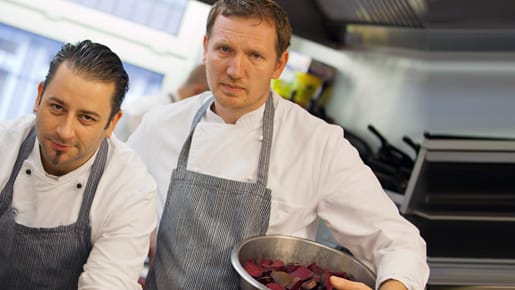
column 327, row 282
column 281, row 278
column 253, row 269
column 291, row 267
column 292, row 276
column 265, row 279
column 277, row 265
column 265, row 263
column 302, row 272
column 309, row 284
column 274, row 286
column 315, row 269
column 295, row 284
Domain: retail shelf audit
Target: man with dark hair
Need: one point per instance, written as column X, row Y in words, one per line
column 77, row 206
column 252, row 163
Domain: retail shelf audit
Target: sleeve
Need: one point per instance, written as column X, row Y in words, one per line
column 121, row 245
column 365, row 220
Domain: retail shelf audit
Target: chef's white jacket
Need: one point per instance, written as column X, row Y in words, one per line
column 313, row 172
column 122, row 215
column 133, row 112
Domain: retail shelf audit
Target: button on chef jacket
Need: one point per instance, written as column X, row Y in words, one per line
column 122, row 215
column 314, row 172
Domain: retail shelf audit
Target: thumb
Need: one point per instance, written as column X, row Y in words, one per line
column 344, row 284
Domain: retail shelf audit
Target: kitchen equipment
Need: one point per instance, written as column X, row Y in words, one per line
column 461, row 196
column 391, row 165
column 295, row 250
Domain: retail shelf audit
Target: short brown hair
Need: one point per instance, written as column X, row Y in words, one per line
column 267, row 10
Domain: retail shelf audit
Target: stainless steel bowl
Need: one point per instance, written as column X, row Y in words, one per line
column 295, row 250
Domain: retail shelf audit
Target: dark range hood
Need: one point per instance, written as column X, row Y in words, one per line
column 328, row 21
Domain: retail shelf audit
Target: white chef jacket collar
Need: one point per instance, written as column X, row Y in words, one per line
column 253, row 117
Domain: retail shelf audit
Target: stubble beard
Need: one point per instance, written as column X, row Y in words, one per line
column 55, row 160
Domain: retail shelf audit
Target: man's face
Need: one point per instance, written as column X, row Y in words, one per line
column 71, row 118
column 241, row 59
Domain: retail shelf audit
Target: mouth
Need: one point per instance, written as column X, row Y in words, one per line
column 59, row 146
column 232, row 89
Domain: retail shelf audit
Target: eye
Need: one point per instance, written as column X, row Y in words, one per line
column 256, row 56
column 56, row 107
column 87, row 118
column 224, row 49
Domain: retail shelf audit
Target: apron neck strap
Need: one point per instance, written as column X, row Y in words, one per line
column 97, row 169
column 266, row 145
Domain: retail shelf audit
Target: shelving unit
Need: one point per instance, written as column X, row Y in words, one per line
column 461, row 196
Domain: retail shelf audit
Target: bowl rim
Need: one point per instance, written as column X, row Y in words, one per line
column 235, row 260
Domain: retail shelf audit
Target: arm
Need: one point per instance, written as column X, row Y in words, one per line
column 363, row 219
column 123, row 216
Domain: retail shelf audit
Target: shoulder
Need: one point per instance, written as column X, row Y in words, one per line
column 125, row 168
column 12, row 134
column 19, row 126
column 290, row 117
column 183, row 108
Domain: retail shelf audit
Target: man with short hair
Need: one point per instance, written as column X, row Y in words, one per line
column 245, row 162
column 77, row 206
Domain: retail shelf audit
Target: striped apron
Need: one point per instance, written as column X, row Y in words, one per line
column 45, row 258
column 205, row 216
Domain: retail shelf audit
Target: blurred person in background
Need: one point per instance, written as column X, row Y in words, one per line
column 133, row 112
column 244, row 162
column 77, row 206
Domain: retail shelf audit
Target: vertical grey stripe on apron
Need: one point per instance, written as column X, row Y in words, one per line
column 205, row 216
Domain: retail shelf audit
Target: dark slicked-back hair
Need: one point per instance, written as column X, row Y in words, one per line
column 266, row 10
column 93, row 61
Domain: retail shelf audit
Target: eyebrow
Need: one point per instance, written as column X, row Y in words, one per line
column 86, row 112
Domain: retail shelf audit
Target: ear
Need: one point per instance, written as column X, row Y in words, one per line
column 204, row 43
column 38, row 97
column 112, row 124
column 281, row 64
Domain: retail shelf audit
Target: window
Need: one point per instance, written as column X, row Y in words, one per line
column 24, row 61
column 162, row 15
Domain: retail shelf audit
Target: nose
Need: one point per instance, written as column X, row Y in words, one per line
column 65, row 129
column 236, row 68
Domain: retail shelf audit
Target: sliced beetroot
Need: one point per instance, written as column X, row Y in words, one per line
column 302, row 272
column 327, row 283
column 253, row 269
column 295, row 284
column 274, row 286
column 315, row 269
column 265, row 263
column 277, row 265
column 309, row 284
column 265, row 279
column 281, row 278
column 291, row 267
column 292, row 276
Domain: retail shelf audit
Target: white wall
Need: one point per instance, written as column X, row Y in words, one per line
column 408, row 93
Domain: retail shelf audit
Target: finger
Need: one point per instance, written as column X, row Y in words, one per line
column 344, row 284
